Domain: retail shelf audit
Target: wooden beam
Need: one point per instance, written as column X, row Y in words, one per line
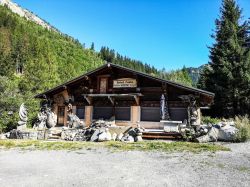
column 151, row 89
column 113, row 95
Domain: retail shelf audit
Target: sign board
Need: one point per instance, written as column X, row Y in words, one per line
column 124, row 83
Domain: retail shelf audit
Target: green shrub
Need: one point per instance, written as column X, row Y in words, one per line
column 243, row 124
column 208, row 119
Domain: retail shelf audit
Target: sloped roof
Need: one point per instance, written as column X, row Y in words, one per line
column 174, row 84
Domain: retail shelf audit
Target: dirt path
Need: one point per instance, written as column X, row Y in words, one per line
column 101, row 167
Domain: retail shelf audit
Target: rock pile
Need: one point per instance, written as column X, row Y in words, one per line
column 222, row 131
column 18, row 134
column 100, row 131
column 103, row 123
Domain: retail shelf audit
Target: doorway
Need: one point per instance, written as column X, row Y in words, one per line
column 60, row 115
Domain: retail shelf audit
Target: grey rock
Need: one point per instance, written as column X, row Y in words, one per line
column 119, row 137
column 211, row 136
column 114, row 136
column 127, row 138
column 95, row 136
column 3, row 137
column 138, row 139
column 227, row 133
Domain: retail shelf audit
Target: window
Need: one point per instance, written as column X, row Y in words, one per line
column 122, row 113
column 178, row 114
column 80, row 112
column 102, row 112
column 150, row 114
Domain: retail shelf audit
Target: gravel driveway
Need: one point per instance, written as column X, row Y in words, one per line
column 101, row 167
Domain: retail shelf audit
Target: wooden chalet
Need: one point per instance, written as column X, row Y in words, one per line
column 128, row 96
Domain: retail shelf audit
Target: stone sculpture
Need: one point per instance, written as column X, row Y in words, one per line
column 51, row 118
column 23, row 115
column 192, row 108
column 74, row 121
column 45, row 118
column 164, row 108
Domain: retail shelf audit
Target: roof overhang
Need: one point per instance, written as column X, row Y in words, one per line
column 63, row 86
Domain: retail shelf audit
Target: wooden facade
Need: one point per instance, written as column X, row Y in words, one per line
column 125, row 95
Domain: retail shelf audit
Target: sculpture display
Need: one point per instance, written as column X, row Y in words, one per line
column 45, row 118
column 192, row 108
column 73, row 120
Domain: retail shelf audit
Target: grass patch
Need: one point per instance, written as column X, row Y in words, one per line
column 166, row 146
column 44, row 145
column 243, row 169
column 243, row 124
column 116, row 146
column 221, row 165
column 209, row 120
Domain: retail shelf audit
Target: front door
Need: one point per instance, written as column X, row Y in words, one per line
column 103, row 84
column 60, row 116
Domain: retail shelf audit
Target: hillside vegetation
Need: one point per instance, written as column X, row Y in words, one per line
column 33, row 59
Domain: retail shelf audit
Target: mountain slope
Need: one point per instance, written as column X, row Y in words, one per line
column 15, row 8
column 39, row 53
column 194, row 73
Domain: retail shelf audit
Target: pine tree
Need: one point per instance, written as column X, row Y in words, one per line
column 92, row 47
column 228, row 72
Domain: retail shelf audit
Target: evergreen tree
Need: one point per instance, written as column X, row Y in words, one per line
column 228, row 72
column 92, row 47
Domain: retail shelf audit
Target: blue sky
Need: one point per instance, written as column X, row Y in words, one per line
column 163, row 33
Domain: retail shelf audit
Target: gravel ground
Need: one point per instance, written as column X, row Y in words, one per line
column 101, row 167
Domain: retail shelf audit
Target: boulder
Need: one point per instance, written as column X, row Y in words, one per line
column 109, row 137
column 128, row 138
column 67, row 134
column 3, row 137
column 138, row 139
column 104, row 135
column 16, row 134
column 114, row 136
column 95, row 136
column 211, row 136
column 80, row 135
column 41, row 134
column 227, row 133
column 132, row 132
column 119, row 137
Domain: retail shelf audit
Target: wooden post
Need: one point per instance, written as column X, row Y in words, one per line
column 198, row 121
column 135, row 115
column 88, row 115
column 65, row 116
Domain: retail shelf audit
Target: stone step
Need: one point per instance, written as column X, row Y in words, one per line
column 54, row 137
